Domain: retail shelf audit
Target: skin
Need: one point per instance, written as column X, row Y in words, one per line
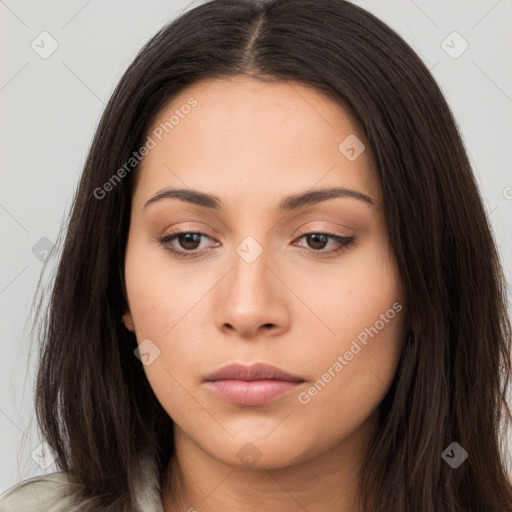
column 251, row 144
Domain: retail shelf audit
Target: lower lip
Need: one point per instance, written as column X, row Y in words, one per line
column 252, row 392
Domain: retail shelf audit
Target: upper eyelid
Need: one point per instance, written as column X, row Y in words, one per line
column 191, row 229
column 300, row 234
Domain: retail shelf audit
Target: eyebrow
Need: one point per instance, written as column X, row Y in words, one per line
column 290, row 203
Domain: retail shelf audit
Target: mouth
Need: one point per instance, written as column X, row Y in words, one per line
column 256, row 384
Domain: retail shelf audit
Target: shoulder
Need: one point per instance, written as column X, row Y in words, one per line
column 46, row 493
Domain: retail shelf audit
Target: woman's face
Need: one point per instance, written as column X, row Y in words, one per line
column 274, row 272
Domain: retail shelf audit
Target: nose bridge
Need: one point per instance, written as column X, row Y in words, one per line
column 252, row 249
column 256, row 250
column 251, row 275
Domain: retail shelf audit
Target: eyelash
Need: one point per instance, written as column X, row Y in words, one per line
column 343, row 243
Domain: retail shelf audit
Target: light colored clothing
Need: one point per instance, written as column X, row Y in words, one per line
column 54, row 493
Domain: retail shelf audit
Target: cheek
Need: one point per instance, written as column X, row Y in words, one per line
column 362, row 366
column 354, row 373
column 349, row 296
column 356, row 360
column 164, row 308
column 160, row 294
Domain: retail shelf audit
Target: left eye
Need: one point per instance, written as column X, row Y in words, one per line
column 189, row 242
column 318, row 241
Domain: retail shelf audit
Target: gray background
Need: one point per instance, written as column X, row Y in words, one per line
column 50, row 109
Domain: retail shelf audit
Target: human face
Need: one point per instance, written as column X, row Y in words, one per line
column 257, row 285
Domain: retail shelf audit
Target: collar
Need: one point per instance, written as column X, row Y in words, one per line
column 146, row 484
column 53, row 492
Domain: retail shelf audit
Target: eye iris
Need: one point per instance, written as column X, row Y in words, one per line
column 317, row 240
column 187, row 238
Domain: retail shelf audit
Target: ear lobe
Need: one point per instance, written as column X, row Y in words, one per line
column 128, row 321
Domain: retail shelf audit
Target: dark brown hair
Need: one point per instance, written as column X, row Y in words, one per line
column 94, row 404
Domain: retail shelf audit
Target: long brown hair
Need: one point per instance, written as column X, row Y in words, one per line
column 94, row 404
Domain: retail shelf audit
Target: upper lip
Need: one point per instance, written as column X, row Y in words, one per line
column 256, row 371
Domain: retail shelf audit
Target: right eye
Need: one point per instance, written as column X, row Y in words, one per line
column 187, row 240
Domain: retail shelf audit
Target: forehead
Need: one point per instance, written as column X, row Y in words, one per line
column 225, row 134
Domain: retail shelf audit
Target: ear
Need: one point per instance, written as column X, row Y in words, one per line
column 128, row 320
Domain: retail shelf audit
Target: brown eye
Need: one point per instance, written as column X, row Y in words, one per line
column 189, row 241
column 184, row 244
column 317, row 242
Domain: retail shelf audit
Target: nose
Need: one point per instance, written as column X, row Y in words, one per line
column 252, row 299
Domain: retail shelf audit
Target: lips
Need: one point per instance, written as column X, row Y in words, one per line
column 257, row 371
column 257, row 384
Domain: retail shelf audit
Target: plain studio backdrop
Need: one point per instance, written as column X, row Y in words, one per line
column 61, row 61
